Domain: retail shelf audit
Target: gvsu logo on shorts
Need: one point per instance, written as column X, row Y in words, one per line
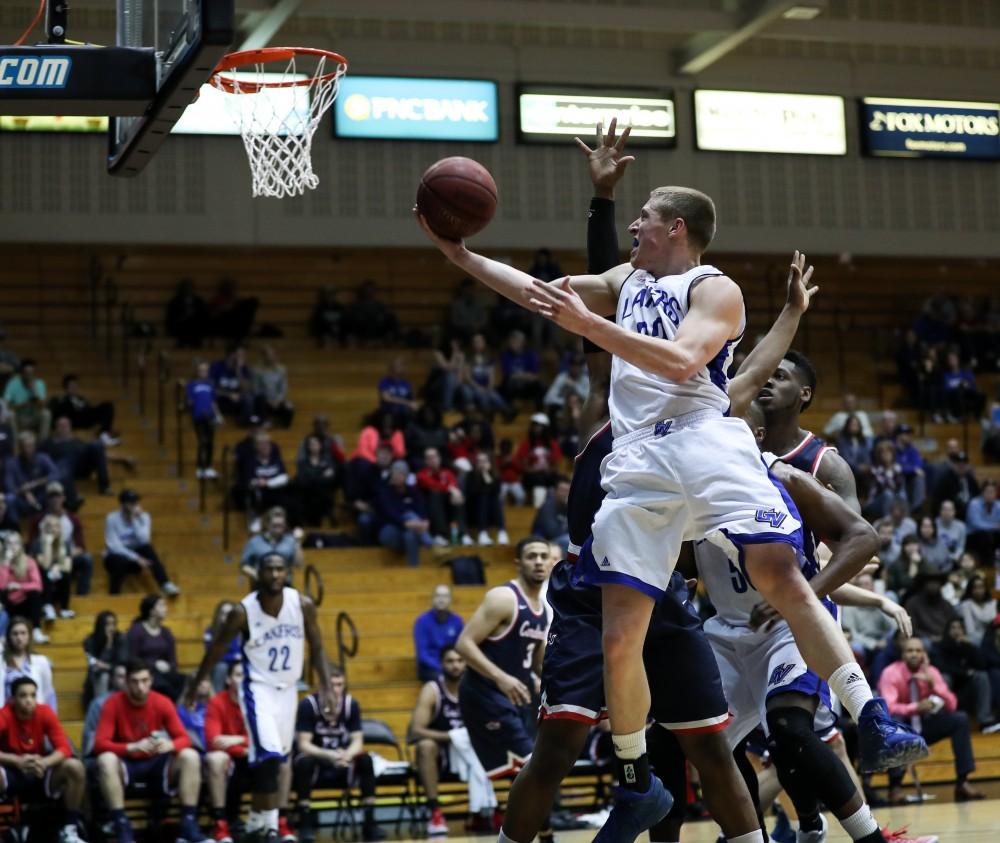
column 771, row 516
column 34, row 71
column 780, row 674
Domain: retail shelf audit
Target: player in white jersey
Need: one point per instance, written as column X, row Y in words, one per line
column 680, row 468
column 275, row 623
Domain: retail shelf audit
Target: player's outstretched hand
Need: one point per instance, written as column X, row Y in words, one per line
column 799, row 292
column 899, row 615
column 449, row 248
column 559, row 302
column 607, row 159
column 514, row 690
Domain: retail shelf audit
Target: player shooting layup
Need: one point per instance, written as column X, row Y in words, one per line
column 680, row 469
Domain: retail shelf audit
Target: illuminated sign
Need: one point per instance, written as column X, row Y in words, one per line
column 408, row 108
column 554, row 113
column 930, row 128
column 52, row 123
column 748, row 121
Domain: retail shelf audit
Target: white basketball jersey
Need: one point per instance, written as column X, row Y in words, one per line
column 727, row 584
column 656, row 307
column 274, row 651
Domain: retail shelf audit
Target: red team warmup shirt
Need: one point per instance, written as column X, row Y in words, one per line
column 123, row 723
column 223, row 716
column 27, row 737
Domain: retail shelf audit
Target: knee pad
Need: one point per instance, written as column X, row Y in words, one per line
column 791, row 729
column 265, row 776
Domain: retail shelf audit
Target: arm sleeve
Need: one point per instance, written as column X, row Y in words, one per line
column 424, row 644
column 144, row 528
column 45, row 669
column 104, row 737
column 55, row 734
column 113, row 542
column 602, row 246
column 172, row 647
column 213, row 723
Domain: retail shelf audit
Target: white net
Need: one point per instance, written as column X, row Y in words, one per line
column 278, row 113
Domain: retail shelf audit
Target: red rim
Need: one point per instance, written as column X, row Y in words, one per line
column 245, row 58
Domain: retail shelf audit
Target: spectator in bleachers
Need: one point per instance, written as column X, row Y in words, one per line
column 933, row 547
column 912, row 464
column 521, row 372
column 9, row 361
column 26, row 476
column 370, row 320
column 152, row 643
column 72, row 535
column 425, row 430
column 566, row 426
column 930, row 612
column 229, row 316
column 465, row 440
column 106, row 648
column 978, row 609
column 901, row 574
column 478, row 387
column 444, row 501
column 951, row 530
column 96, row 706
column 317, row 478
column 232, row 379
column 445, row 375
column 982, row 519
column 395, row 393
column 55, row 562
column 21, row 585
column 573, row 381
column 77, row 459
column 327, row 321
column 959, row 387
column 82, row 414
column 916, row 693
column 19, row 660
column 902, row 524
column 379, row 429
column 330, row 753
column 199, row 396
column 401, row 514
column 538, row 457
column 140, row 743
column 510, row 474
column 434, row 631
column 545, row 267
column 991, row 433
column 191, row 710
column 838, row 421
column 888, row 486
column 552, row 519
column 888, row 547
column 870, row 627
column 227, row 770
column 270, row 389
column 965, row 571
column 25, row 395
column 962, row 664
column 888, row 421
column 855, row 448
column 37, row 759
column 467, row 314
column 484, row 506
column 364, row 479
column 332, row 442
column 8, row 432
column 263, row 478
column 275, row 537
column 187, row 316
column 235, row 652
column 958, row 483
column 128, row 547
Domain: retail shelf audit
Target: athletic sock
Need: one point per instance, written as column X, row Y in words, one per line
column 631, row 760
column 503, row 838
column 861, row 825
column 749, row 837
column 255, row 821
column 269, row 819
column 849, row 684
column 432, row 804
column 189, row 812
column 218, row 814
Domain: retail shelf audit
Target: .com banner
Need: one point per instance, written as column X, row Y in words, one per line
column 930, row 128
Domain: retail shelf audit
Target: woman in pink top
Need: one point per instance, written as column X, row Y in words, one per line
column 380, row 429
column 21, row 584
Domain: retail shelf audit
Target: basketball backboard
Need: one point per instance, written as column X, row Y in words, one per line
column 164, row 51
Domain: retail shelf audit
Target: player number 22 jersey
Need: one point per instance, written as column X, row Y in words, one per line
column 274, row 651
column 656, row 307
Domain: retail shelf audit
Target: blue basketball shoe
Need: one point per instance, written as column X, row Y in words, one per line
column 633, row 813
column 884, row 743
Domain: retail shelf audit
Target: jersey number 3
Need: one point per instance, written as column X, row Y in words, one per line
column 276, row 653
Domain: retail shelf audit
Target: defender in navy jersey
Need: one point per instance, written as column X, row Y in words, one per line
column 503, row 645
column 276, row 622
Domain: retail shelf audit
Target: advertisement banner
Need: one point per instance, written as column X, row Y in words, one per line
column 551, row 114
column 930, row 128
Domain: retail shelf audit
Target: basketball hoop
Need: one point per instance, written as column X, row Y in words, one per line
column 278, row 135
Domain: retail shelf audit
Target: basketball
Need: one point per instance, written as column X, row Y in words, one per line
column 457, row 197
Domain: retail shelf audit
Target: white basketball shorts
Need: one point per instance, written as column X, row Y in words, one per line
column 680, row 479
column 270, row 717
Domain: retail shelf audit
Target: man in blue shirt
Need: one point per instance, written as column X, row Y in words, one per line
column 912, row 463
column 402, row 516
column 27, row 474
column 275, row 538
column 982, row 520
column 520, row 368
column 231, row 377
column 200, row 396
column 396, row 392
column 434, row 630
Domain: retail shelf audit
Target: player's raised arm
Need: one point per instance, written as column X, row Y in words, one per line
column 495, row 612
column 235, row 623
column 767, row 354
column 600, row 292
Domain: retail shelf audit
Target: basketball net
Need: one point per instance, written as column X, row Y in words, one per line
column 278, row 139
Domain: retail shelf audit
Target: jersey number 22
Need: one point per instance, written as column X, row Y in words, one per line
column 276, row 653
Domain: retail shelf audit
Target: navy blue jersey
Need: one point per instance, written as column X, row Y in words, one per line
column 585, row 491
column 513, row 649
column 807, row 455
column 447, row 714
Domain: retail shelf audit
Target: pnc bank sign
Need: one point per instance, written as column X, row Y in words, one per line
column 408, row 108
